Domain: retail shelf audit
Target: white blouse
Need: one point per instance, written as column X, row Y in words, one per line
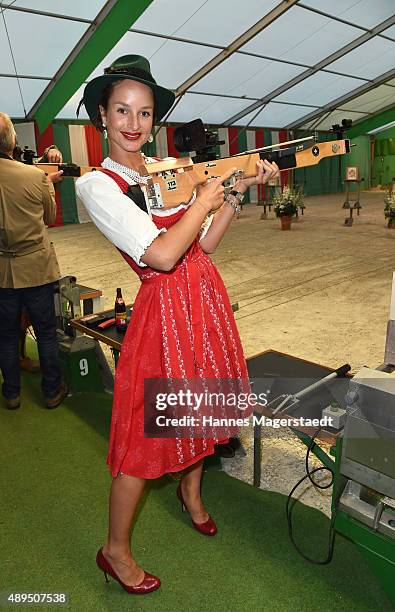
column 120, row 220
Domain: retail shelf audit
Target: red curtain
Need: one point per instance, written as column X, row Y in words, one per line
column 171, row 150
column 44, row 140
column 93, row 145
column 283, row 137
column 260, row 142
column 233, row 140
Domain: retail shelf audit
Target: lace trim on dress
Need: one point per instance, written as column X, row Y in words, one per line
column 140, row 251
column 205, row 226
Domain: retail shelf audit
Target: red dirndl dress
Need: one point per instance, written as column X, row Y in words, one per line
column 182, row 326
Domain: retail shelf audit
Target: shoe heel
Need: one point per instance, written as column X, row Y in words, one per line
column 208, row 528
column 150, row 583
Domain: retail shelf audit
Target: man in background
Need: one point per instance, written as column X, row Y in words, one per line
column 51, row 155
column 28, row 270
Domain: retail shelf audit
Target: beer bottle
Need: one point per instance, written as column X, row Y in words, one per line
column 120, row 312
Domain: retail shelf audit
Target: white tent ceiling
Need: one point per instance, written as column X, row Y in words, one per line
column 315, row 63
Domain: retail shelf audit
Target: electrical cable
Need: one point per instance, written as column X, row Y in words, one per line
column 4, row 7
column 178, row 28
column 317, row 121
column 182, row 95
column 13, row 60
column 308, row 472
column 162, row 123
column 260, row 109
column 289, row 507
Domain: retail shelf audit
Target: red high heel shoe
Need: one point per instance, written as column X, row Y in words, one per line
column 149, row 583
column 208, row 528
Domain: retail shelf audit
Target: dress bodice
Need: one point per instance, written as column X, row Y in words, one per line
column 194, row 251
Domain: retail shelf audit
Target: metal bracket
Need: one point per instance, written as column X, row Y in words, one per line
column 154, row 195
column 389, row 355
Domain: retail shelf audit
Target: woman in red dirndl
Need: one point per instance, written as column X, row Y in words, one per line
column 182, row 325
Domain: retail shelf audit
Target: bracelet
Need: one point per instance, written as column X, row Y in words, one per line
column 232, row 201
column 238, row 195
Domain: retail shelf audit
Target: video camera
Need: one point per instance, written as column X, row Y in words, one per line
column 193, row 136
column 25, row 155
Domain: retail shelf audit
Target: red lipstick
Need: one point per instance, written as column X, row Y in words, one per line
column 131, row 135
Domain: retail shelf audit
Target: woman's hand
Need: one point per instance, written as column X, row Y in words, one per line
column 266, row 171
column 211, row 194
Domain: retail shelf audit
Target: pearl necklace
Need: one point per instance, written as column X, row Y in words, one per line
column 110, row 164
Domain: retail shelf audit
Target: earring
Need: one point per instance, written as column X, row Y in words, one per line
column 105, row 132
column 150, row 138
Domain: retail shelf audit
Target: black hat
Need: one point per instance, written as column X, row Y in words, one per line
column 135, row 68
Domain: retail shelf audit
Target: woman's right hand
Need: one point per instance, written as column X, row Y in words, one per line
column 211, row 193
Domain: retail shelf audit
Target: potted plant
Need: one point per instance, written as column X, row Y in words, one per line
column 389, row 208
column 285, row 205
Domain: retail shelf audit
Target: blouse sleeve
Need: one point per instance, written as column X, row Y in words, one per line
column 120, row 220
column 205, row 226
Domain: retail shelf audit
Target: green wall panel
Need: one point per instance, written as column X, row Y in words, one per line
column 372, row 123
column 360, row 156
column 66, row 187
column 384, row 158
column 325, row 177
column 120, row 18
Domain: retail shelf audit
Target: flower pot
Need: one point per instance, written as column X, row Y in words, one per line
column 285, row 221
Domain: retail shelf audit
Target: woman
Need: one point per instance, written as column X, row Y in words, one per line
column 182, row 324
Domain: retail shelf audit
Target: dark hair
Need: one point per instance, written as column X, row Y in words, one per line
column 103, row 101
column 104, row 98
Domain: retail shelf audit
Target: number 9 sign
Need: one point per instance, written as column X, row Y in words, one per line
column 84, row 367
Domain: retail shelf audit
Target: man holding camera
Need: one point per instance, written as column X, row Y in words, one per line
column 28, row 270
column 51, row 155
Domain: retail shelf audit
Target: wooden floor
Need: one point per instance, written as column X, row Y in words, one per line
column 320, row 292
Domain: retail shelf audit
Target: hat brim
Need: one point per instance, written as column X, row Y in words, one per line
column 164, row 98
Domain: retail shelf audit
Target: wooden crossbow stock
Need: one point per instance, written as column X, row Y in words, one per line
column 171, row 182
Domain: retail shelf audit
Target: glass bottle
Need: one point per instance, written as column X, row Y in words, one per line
column 120, row 312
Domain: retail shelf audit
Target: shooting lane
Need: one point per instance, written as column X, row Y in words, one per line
column 308, row 301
